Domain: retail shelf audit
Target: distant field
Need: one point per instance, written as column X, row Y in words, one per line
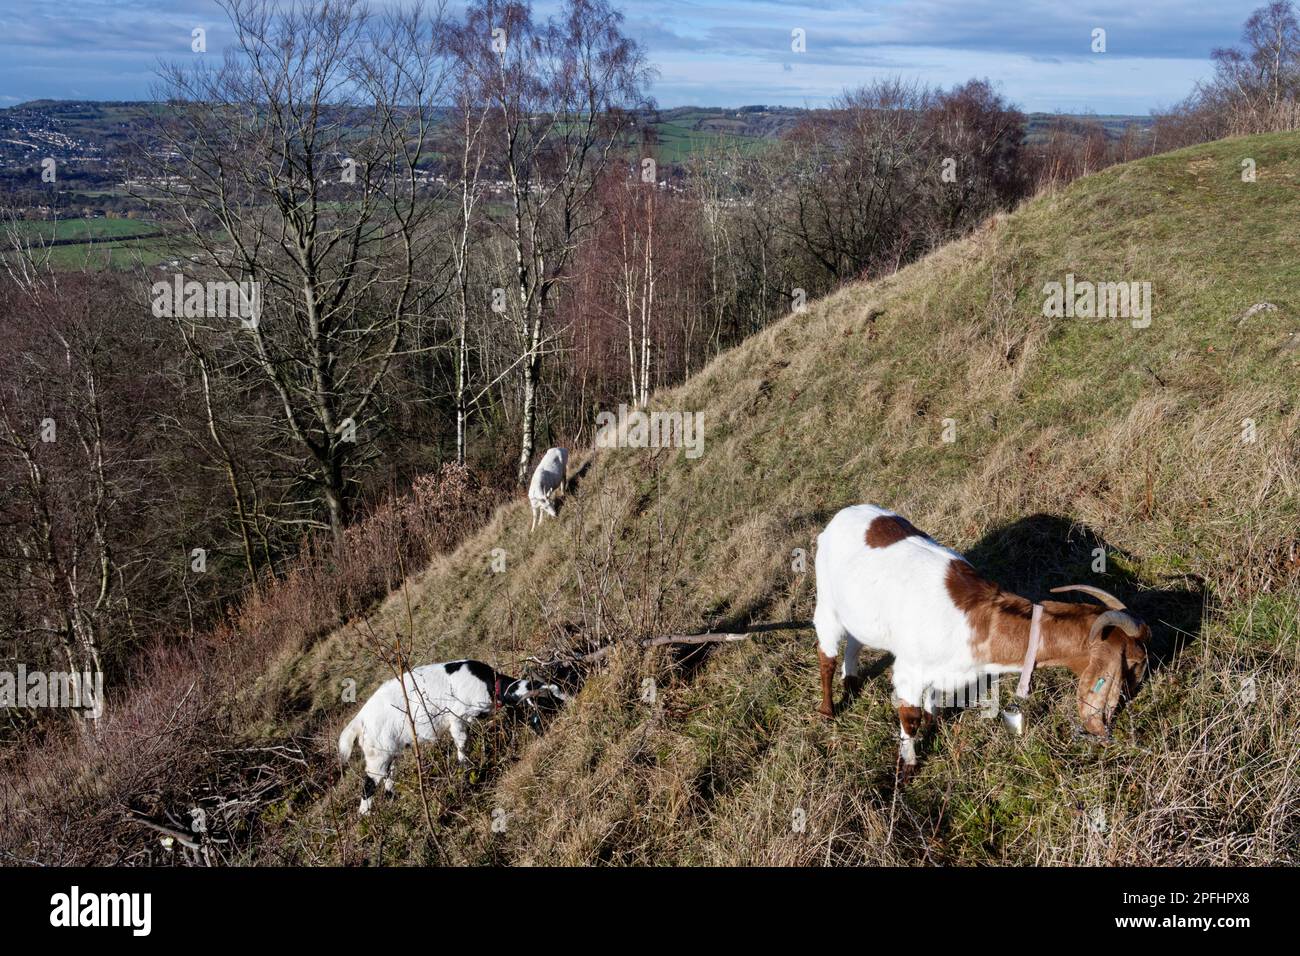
column 687, row 131
column 111, row 254
column 678, row 141
column 1038, row 124
column 88, row 230
column 98, row 244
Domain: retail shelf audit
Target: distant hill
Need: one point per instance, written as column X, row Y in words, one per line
column 687, row 127
column 85, row 132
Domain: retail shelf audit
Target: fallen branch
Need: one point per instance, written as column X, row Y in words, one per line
column 184, row 839
column 710, row 637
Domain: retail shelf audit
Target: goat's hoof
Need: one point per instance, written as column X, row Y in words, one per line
column 906, row 772
column 827, row 712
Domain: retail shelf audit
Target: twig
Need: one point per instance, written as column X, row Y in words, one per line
column 180, row 836
column 727, row 637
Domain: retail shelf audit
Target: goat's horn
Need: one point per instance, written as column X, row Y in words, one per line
column 1121, row 619
column 1105, row 597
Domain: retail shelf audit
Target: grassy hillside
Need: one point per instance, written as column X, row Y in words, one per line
column 1071, row 435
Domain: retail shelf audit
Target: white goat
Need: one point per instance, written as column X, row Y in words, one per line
column 444, row 698
column 551, row 473
column 881, row 583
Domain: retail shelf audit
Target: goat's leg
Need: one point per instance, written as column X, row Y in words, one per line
column 459, row 731
column 829, row 634
column 852, row 682
column 826, row 665
column 533, row 526
column 368, row 789
column 927, row 709
column 379, row 768
column 909, row 724
column 910, row 694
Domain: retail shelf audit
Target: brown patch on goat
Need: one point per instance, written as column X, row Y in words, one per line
column 909, row 718
column 890, row 529
column 999, row 622
column 826, row 666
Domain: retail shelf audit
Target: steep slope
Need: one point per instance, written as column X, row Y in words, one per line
column 1175, row 448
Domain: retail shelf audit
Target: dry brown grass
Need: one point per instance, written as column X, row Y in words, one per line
column 1071, row 436
column 176, row 738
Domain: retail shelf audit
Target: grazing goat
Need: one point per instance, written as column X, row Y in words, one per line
column 883, row 584
column 551, row 473
column 444, row 698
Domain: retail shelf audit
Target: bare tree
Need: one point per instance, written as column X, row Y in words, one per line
column 1255, row 88
column 859, row 171
column 302, row 149
column 72, row 405
column 561, row 94
column 976, row 149
column 468, row 142
column 1261, row 80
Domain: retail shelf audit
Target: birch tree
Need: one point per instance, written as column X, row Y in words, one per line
column 562, row 95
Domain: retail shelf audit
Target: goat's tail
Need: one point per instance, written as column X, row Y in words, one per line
column 348, row 738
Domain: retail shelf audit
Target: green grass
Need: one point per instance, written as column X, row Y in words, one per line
column 118, row 244
column 118, row 255
column 86, row 229
column 678, row 141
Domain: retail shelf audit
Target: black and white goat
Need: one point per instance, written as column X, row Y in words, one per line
column 883, row 584
column 443, row 698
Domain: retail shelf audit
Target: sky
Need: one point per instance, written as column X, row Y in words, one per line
column 1037, row 53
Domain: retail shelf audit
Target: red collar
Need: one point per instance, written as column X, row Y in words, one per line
column 496, row 693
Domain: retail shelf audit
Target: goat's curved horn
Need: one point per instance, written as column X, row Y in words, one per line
column 1105, row 597
column 1121, row 619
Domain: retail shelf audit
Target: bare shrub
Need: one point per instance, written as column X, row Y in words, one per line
column 174, row 738
column 1255, row 87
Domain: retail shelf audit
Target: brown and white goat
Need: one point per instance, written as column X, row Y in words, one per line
column 883, row 584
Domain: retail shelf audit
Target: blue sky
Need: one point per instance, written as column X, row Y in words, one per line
column 725, row 52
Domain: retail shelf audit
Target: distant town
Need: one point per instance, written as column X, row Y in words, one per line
column 90, row 144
